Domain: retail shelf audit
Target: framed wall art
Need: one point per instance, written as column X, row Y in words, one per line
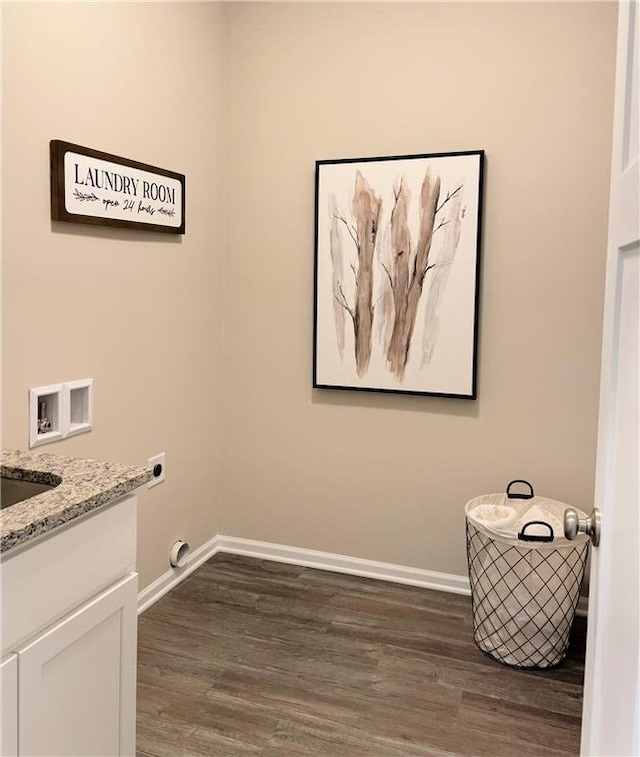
column 94, row 187
column 397, row 252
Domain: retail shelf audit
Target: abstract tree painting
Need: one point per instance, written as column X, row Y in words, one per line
column 397, row 273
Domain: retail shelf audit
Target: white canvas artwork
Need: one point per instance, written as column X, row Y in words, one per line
column 397, row 273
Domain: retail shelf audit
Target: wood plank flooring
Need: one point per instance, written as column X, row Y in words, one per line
column 250, row 657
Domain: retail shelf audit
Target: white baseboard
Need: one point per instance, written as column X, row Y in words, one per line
column 583, row 606
column 169, row 580
column 354, row 566
column 310, row 558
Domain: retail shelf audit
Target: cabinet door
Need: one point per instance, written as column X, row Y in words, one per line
column 76, row 687
column 9, row 698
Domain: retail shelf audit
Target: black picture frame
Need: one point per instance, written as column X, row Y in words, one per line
column 397, row 273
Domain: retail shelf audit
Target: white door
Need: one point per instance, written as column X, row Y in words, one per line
column 611, row 717
column 76, row 682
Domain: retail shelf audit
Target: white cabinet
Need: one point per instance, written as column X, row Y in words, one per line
column 81, row 673
column 69, row 622
column 9, row 698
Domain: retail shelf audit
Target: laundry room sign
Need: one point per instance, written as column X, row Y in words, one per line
column 89, row 186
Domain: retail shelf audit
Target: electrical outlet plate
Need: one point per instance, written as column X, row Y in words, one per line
column 157, row 460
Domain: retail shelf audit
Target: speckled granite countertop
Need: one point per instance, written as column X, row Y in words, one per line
column 84, row 485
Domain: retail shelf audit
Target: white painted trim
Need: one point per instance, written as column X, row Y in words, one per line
column 354, row 566
column 583, row 606
column 310, row 558
column 169, row 580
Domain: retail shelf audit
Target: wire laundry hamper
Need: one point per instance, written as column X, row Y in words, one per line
column 525, row 578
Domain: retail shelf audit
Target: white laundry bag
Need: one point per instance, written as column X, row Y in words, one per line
column 525, row 576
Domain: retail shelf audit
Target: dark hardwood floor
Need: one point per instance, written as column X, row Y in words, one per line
column 249, row 657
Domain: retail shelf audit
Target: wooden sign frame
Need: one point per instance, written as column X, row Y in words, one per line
column 94, row 187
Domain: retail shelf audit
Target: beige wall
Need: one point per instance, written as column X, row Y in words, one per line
column 220, row 376
column 386, row 477
column 138, row 312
